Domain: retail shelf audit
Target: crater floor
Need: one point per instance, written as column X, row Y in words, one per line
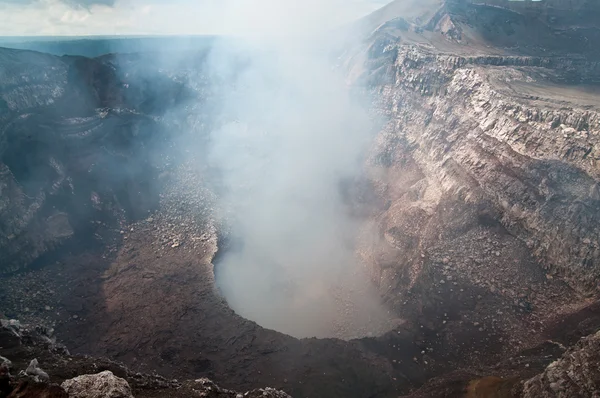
column 345, row 307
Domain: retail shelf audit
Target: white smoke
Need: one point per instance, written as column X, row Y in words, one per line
column 295, row 131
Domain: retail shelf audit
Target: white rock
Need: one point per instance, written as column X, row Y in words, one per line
column 101, row 385
column 5, row 362
column 36, row 372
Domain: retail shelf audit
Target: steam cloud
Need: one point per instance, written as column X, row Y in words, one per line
column 294, row 130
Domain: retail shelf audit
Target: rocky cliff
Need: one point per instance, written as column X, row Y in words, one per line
column 486, row 174
column 500, row 136
column 515, row 136
column 74, row 153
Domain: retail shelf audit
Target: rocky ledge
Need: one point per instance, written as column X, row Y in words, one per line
column 55, row 373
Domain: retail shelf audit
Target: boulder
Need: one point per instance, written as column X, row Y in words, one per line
column 34, row 371
column 576, row 374
column 101, row 385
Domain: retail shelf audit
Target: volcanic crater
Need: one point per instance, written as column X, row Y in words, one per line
column 459, row 257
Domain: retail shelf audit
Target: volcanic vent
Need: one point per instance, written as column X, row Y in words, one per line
column 304, row 301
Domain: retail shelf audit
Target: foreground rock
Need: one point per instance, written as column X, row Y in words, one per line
column 87, row 377
column 102, row 385
column 576, row 374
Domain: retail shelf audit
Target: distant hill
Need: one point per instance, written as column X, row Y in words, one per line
column 100, row 45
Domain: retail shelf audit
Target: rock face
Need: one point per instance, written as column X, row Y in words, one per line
column 483, row 141
column 486, row 174
column 101, row 385
column 73, row 153
column 576, row 374
column 531, row 168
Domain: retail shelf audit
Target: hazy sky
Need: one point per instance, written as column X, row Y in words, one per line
column 108, row 17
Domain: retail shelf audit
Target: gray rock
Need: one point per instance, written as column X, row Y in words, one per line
column 5, row 362
column 576, row 374
column 208, row 388
column 101, row 385
column 34, row 371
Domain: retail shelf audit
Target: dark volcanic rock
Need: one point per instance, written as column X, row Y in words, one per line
column 5, row 384
column 29, row 389
column 74, row 159
column 84, row 376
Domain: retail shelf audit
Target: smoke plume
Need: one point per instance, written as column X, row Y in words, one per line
column 292, row 131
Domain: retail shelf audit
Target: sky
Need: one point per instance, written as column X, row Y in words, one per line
column 164, row 17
